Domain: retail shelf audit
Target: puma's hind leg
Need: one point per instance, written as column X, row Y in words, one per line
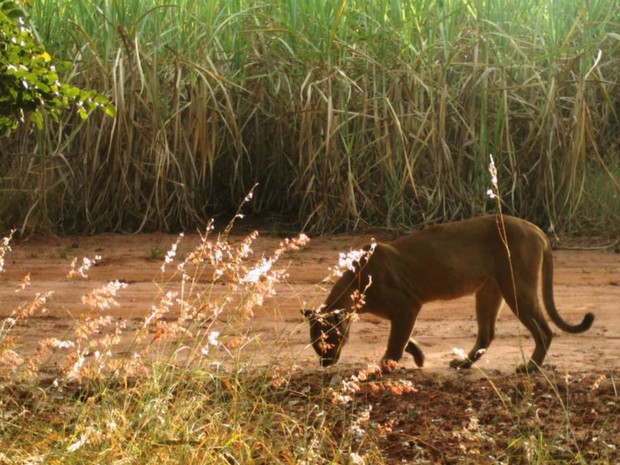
column 488, row 303
column 527, row 308
column 532, row 318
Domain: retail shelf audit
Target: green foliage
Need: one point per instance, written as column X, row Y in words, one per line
column 29, row 80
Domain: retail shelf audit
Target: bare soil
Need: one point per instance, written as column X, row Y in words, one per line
column 428, row 424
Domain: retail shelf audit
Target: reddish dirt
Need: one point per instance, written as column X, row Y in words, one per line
column 585, row 281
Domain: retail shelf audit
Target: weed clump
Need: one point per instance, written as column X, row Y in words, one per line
column 175, row 386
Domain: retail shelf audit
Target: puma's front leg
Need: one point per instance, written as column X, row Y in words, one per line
column 488, row 302
column 400, row 331
column 414, row 349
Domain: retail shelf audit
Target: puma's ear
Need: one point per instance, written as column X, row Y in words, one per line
column 308, row 314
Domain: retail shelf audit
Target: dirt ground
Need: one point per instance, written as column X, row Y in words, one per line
column 585, row 281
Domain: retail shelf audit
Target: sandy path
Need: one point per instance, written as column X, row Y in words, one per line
column 584, row 281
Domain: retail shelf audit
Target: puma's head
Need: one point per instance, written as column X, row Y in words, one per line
column 328, row 333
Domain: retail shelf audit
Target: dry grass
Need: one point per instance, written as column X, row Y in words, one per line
column 347, row 114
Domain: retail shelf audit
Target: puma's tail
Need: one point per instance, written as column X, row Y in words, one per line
column 547, row 291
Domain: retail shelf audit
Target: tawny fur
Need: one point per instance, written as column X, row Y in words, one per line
column 446, row 262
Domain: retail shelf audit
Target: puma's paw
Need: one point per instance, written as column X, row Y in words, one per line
column 459, row 363
column 530, row 367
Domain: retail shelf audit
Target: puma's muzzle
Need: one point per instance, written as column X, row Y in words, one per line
column 328, row 361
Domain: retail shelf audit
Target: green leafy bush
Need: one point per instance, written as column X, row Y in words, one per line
column 29, row 81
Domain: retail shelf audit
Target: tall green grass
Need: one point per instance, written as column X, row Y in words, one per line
column 347, row 113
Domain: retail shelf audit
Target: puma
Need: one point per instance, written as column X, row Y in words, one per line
column 440, row 263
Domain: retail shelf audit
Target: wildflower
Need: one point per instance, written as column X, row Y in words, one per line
column 322, row 343
column 25, row 282
column 60, row 344
column 172, row 252
column 460, row 353
column 77, row 444
column 111, row 425
column 263, row 270
column 492, row 193
column 386, row 428
column 357, row 426
column 347, row 261
column 493, row 171
column 37, row 304
column 5, row 247
column 259, row 272
column 339, row 399
column 597, row 382
column 356, row 459
column 104, row 297
column 162, row 307
column 74, row 370
column 350, row 260
column 212, row 341
column 90, row 326
column 213, row 338
column 350, row 387
column 359, row 298
column 82, row 271
column 277, row 379
column 295, row 243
